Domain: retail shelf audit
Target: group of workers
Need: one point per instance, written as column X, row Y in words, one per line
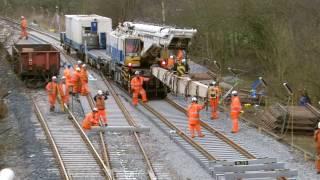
column 178, row 65
column 214, row 93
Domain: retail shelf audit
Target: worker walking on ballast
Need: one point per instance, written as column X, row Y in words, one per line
column 52, row 89
column 64, row 90
column 100, row 104
column 214, row 93
column 24, row 26
column 317, row 140
column 91, row 119
column 137, row 88
column 76, row 82
column 194, row 117
column 235, row 111
column 84, row 80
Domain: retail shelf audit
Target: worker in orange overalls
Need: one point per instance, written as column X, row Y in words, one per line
column 137, row 88
column 194, row 117
column 170, row 62
column 100, row 104
column 235, row 111
column 79, row 65
column 68, row 75
column 91, row 119
column 76, row 81
column 180, row 55
column 84, row 80
column 52, row 89
column 214, row 93
column 64, row 90
column 317, row 140
column 24, row 26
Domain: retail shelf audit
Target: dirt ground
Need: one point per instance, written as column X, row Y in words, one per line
column 23, row 146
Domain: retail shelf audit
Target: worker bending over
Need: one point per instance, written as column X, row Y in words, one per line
column 64, row 90
column 67, row 73
column 76, row 81
column 235, row 111
column 52, row 89
column 194, row 117
column 91, row 119
column 24, row 26
column 137, row 88
column 170, row 63
column 214, row 94
column 317, row 140
column 84, row 80
column 181, row 67
column 100, row 104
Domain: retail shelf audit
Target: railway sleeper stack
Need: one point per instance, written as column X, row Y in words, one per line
column 280, row 118
column 251, row 169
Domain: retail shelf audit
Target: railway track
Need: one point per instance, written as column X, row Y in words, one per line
column 75, row 154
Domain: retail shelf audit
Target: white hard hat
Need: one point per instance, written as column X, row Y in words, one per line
column 84, row 65
column 194, row 99
column 171, row 56
column 213, row 83
column 79, row 62
column 54, row 77
column 22, row 17
column 95, row 110
column 100, row 92
column 63, row 77
column 137, row 72
column 319, row 125
column 234, row 92
column 78, row 69
column 183, row 60
column 7, row 174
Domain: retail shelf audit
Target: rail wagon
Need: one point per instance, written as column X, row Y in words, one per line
column 35, row 63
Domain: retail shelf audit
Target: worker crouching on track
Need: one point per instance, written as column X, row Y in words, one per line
column 91, row 119
column 235, row 111
column 100, row 104
column 52, row 89
column 84, row 80
column 24, row 26
column 64, row 90
column 317, row 140
column 137, row 88
column 76, row 81
column 194, row 117
column 214, row 93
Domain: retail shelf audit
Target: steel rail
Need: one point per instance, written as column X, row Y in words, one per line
column 131, row 122
column 104, row 153
column 63, row 170
column 212, row 130
column 105, row 169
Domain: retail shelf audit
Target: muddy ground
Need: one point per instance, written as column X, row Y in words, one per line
column 23, row 146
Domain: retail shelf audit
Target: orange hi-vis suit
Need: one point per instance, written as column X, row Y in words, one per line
column 180, row 55
column 235, row 109
column 317, row 140
column 137, row 89
column 170, row 63
column 76, row 81
column 23, row 26
column 67, row 74
column 52, row 89
column 64, row 92
column 100, row 104
column 84, row 82
column 194, row 118
column 91, row 119
column 214, row 97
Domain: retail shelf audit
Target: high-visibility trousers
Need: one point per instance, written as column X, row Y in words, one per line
column 235, row 125
column 135, row 96
column 52, row 100
column 23, row 33
column 65, row 99
column 214, row 108
column 102, row 115
column 84, row 89
column 194, row 126
column 86, row 125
